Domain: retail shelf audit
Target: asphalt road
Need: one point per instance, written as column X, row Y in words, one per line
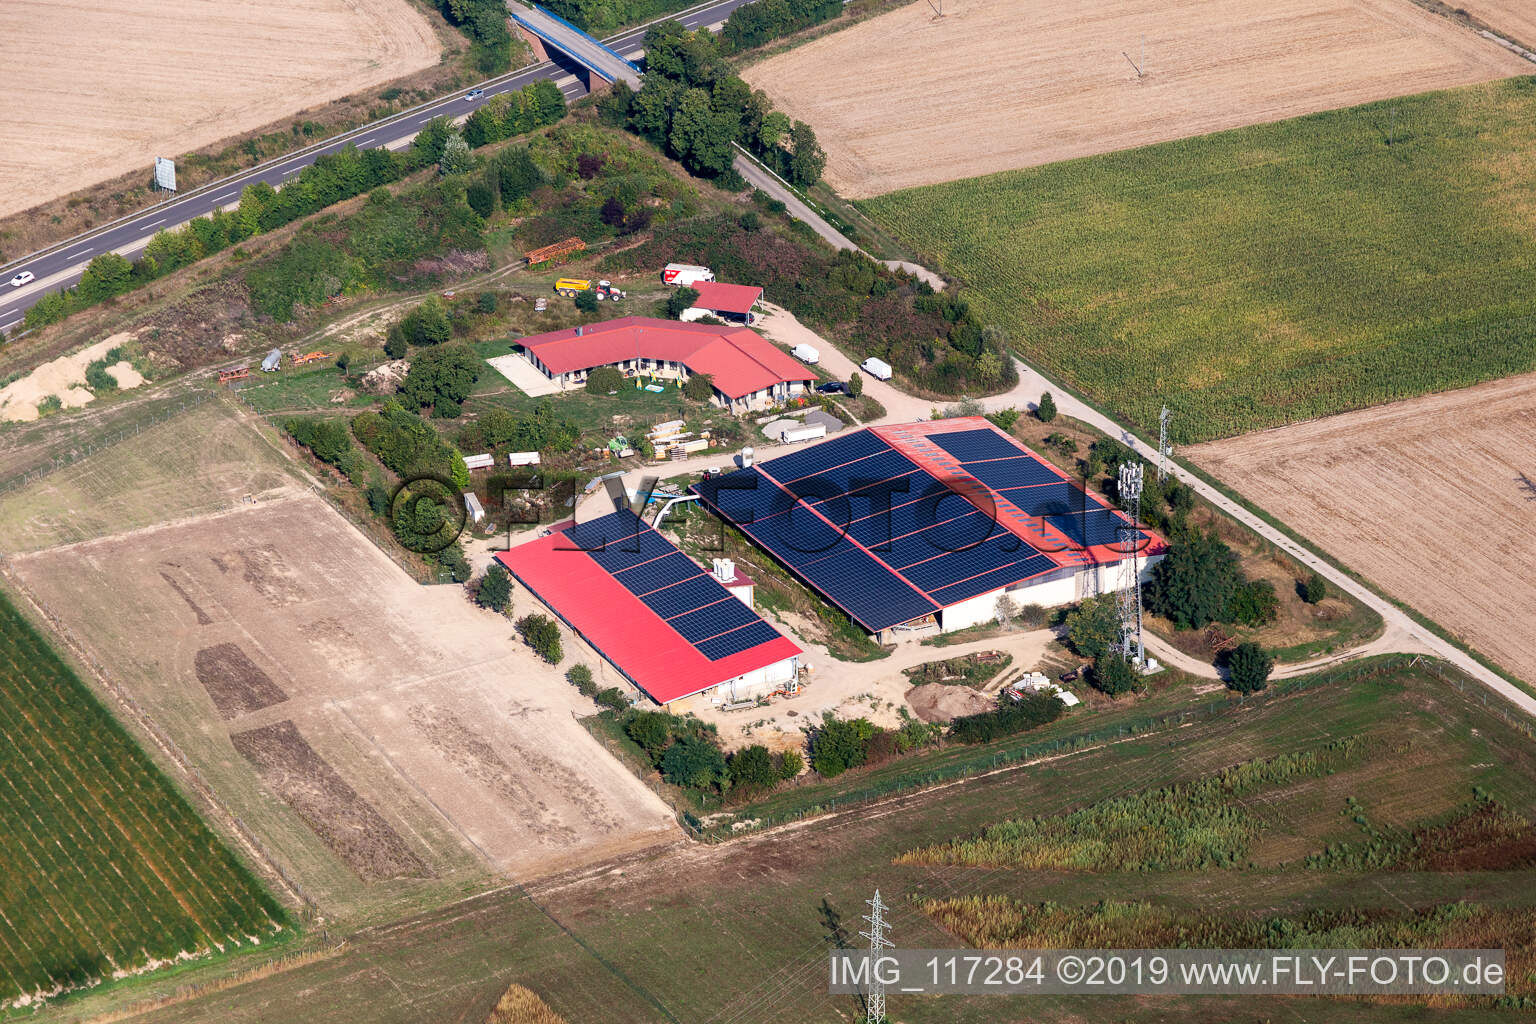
column 60, row 266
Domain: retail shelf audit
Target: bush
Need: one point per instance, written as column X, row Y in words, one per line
column 427, row 324
column 1248, row 668
column 1114, row 675
column 603, row 380
column 693, row 764
column 395, row 345
column 495, row 591
column 1029, row 711
column 652, row 730
column 791, row 764
column 752, row 770
column 1254, row 603
column 1093, row 627
column 612, row 698
column 403, row 442
column 98, row 379
column 855, row 384
column 1004, row 419
column 839, row 745
column 700, row 387
column 1046, row 410
column 329, row 441
column 1315, row 589
column 485, row 303
column 580, row 677
column 541, row 634
column 586, row 301
column 452, row 558
column 681, row 300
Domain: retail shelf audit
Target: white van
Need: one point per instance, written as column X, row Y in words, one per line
column 877, row 368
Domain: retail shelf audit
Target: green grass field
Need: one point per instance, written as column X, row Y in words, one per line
column 103, row 866
column 1264, row 275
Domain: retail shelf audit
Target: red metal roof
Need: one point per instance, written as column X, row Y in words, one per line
column 739, row 360
column 620, row 626
column 727, row 298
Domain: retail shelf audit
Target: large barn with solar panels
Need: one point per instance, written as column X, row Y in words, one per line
column 671, row 628
column 930, row 524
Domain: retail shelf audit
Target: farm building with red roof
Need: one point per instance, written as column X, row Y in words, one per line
column 732, row 303
column 671, row 628
column 748, row 372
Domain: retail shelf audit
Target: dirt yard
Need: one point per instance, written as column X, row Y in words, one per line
column 1432, row 498
column 1513, row 18
column 379, row 736
column 94, row 91
column 1000, row 84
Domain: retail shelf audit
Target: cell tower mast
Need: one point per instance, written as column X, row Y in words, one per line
column 874, row 1006
column 1164, row 449
column 1130, row 567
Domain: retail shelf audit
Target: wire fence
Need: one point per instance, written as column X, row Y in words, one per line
column 986, row 761
column 104, row 442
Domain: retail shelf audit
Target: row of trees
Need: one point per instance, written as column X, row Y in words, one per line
column 761, row 22
column 695, row 108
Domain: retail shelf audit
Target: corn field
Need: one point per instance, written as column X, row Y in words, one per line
column 103, row 866
column 1188, row 826
column 1265, row 275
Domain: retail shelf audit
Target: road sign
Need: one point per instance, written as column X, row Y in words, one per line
column 165, row 174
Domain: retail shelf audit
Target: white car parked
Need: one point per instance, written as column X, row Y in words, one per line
column 25, row 277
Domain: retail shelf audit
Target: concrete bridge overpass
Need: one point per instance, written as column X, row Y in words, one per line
column 545, row 31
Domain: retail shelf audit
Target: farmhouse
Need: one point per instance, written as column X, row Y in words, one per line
column 748, row 373
column 938, row 525
column 669, row 627
column 732, row 303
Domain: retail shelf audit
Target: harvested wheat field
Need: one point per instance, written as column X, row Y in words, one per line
column 1513, row 18
column 97, row 90
column 382, row 738
column 1432, row 499
column 1002, row 84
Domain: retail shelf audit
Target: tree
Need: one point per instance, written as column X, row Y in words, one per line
column 1193, row 585
column 681, row 300
column 586, row 301
column 1254, row 603
column 652, row 730
column 427, row 147
column 751, row 769
column 1248, row 668
column 1114, row 675
column 495, row 591
column 481, row 198
column 1093, row 627
column 855, row 384
column 1046, row 410
column 700, row 387
column 693, row 764
column 700, row 135
column 791, row 764
column 442, row 378
column 580, row 677
column 808, row 160
column 427, row 324
column 604, row 379
column 105, row 276
column 452, row 558
column 540, row 633
column 1315, row 589
column 840, row 744
column 395, row 345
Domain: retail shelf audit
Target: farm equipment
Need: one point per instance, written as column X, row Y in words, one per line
column 310, row 357
column 571, row 286
column 557, row 251
column 239, row 373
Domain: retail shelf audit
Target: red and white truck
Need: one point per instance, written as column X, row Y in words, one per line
column 685, row 275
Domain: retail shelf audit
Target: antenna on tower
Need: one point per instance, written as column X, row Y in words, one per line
column 874, row 1005
column 1129, row 601
column 1164, row 449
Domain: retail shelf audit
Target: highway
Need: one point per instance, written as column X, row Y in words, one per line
column 60, row 266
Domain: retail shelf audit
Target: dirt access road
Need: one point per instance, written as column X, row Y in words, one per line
column 96, row 90
column 1433, row 498
column 1514, row 19
column 1000, row 84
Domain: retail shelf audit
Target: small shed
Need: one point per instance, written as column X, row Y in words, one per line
column 733, row 303
column 271, row 363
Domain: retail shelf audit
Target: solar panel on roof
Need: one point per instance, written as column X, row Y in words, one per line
column 745, row 496
column 1095, row 526
column 824, row 456
column 973, row 445
column 681, row 598
column 1020, row 471
column 867, row 590
column 909, row 514
column 712, row 620
column 1047, row 499
column 657, row 573
column 841, row 479
column 799, row 536
column 736, row 641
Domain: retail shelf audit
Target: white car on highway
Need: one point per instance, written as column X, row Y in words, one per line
column 25, row 277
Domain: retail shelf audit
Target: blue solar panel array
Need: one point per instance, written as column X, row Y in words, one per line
column 884, row 539
column 669, row 583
